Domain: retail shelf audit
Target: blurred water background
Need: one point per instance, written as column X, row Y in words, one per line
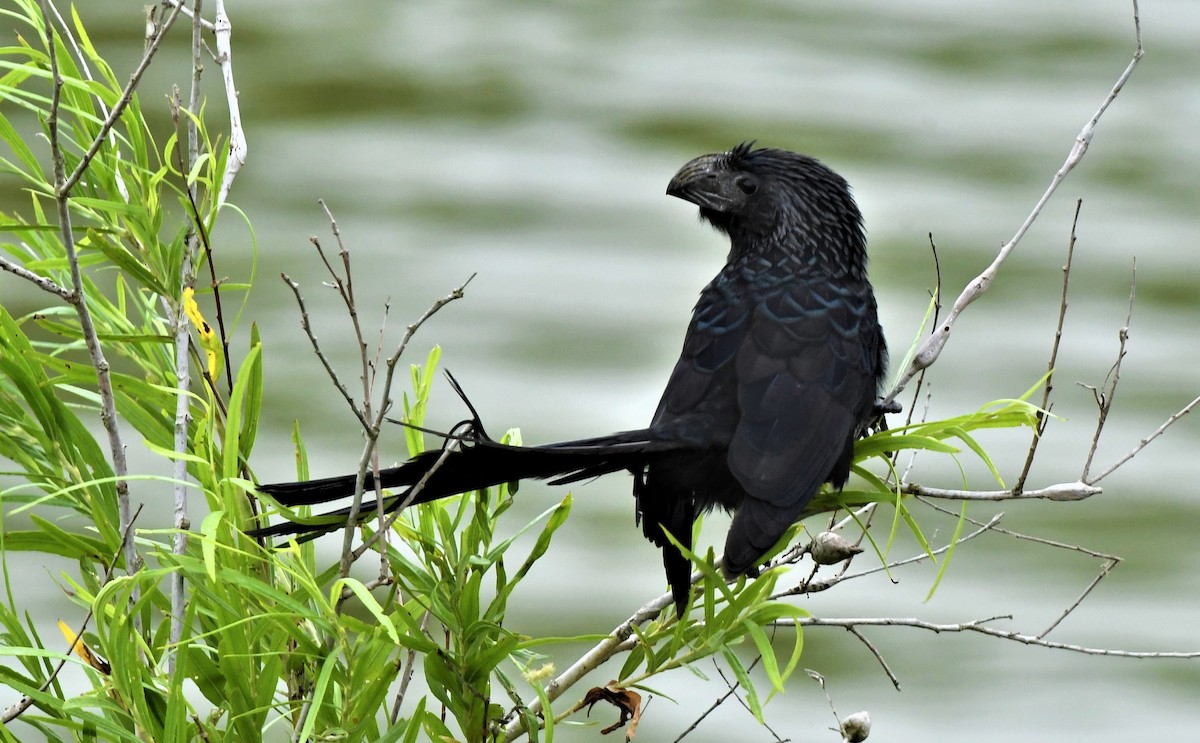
column 531, row 142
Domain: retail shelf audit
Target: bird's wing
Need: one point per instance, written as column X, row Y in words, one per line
column 807, row 370
column 699, row 403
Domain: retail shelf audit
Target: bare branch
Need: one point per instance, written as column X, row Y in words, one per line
column 1107, row 392
column 238, row 146
column 932, row 347
column 1042, row 414
column 1066, row 491
column 160, row 33
column 1104, row 571
column 982, row 627
column 312, row 339
column 206, row 25
column 878, row 656
column 605, row 649
column 43, row 282
column 182, row 374
column 1146, row 441
column 62, row 190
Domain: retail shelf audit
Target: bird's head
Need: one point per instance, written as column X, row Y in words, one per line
column 788, row 199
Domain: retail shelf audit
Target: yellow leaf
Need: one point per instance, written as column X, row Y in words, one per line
column 208, row 338
column 83, row 651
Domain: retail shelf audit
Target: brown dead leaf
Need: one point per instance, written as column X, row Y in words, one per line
column 629, row 702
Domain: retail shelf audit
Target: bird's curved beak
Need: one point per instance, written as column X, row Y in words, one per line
column 702, row 182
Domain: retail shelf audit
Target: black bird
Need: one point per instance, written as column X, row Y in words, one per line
column 779, row 373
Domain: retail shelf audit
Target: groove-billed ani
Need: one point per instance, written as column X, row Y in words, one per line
column 779, row 374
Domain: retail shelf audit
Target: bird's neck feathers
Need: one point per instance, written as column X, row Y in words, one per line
column 819, row 232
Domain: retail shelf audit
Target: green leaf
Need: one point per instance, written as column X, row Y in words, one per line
column 743, row 678
column 962, row 520
column 368, row 602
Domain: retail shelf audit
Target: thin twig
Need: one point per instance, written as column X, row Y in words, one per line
column 1104, row 571
column 733, row 687
column 348, row 555
column 407, row 674
column 451, row 445
column 1146, row 441
column 1066, row 491
column 183, row 339
column 878, row 656
column 205, row 24
column 932, row 347
column 991, row 526
column 62, row 190
column 160, row 33
column 980, row 626
column 1043, row 417
column 43, row 282
column 312, row 339
column 1107, row 392
column 345, row 285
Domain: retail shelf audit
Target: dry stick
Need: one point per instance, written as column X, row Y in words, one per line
column 721, row 699
column 183, row 339
column 1023, row 537
column 407, row 674
column 110, row 121
column 238, row 146
column 1104, row 571
column 205, row 24
column 1043, row 417
column 1065, row 491
column 23, row 704
column 937, row 310
column 878, row 656
column 821, row 680
column 62, row 190
column 980, row 626
column 345, row 287
column 605, row 649
column 1144, row 442
column 1110, row 561
column 696, row 723
column 746, row 707
column 452, row 445
column 312, row 339
column 82, row 62
column 732, row 688
column 1107, row 391
column 349, row 556
column 932, row 347
column 42, row 282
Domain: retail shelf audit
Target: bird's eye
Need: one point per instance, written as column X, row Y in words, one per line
column 747, row 184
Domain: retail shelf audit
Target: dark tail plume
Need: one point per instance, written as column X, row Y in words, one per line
column 480, row 462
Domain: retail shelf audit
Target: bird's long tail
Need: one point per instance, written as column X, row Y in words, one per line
column 478, row 463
